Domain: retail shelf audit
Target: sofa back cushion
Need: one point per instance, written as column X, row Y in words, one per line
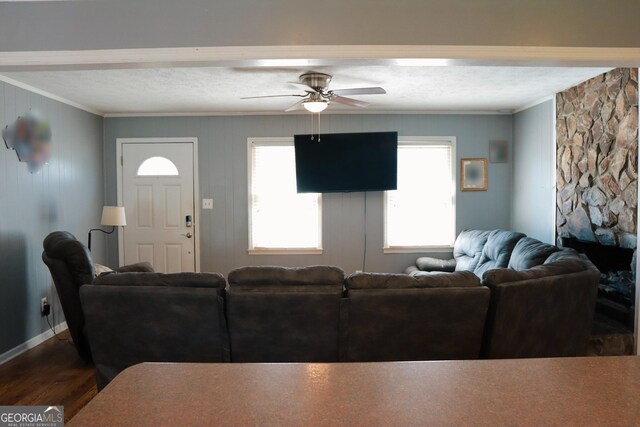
column 560, row 262
column 467, row 249
column 417, row 280
column 287, row 276
column 127, row 325
column 413, row 324
column 279, row 314
column 497, row 251
column 181, row 280
column 530, row 252
column 565, row 254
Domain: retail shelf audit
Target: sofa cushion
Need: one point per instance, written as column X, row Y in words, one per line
column 566, row 264
column 427, row 263
column 414, row 324
column 530, row 252
column 183, row 280
column 467, row 249
column 460, row 279
column 140, row 267
column 279, row 314
column 497, row 251
column 562, row 254
column 283, row 276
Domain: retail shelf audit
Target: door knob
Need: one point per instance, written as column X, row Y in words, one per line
column 188, row 235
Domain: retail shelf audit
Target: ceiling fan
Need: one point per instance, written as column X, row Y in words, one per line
column 318, row 97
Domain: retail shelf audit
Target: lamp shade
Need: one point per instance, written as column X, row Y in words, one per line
column 315, row 106
column 113, row 215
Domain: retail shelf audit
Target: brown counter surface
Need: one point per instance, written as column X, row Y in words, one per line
column 533, row 392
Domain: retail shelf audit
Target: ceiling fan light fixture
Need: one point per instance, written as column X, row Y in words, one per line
column 315, row 106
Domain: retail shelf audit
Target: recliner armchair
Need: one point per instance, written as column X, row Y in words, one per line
column 71, row 266
column 474, row 250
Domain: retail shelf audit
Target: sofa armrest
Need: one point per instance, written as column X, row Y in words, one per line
column 427, row 263
column 141, row 267
column 412, row 269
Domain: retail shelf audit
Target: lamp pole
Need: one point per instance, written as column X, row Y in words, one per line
column 113, row 227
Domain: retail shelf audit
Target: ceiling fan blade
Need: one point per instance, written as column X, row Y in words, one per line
column 267, row 96
column 296, row 106
column 349, row 101
column 360, row 91
column 303, row 87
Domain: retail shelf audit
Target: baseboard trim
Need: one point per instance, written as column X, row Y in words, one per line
column 38, row 339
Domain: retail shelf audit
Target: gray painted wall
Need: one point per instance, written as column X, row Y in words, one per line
column 223, row 177
column 533, row 198
column 62, row 25
column 66, row 195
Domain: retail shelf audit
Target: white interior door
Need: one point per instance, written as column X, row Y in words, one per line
column 158, row 196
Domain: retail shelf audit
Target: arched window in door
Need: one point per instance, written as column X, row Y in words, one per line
column 157, row 166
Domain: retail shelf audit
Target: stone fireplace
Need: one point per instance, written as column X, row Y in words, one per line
column 597, row 181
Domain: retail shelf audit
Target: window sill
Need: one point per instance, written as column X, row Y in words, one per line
column 284, row 251
column 417, row 249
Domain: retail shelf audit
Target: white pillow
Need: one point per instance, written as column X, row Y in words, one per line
column 101, row 269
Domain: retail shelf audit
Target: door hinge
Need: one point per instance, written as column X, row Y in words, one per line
column 121, row 160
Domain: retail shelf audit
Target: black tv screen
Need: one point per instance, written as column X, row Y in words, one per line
column 344, row 162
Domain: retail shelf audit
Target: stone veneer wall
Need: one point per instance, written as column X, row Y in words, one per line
column 597, row 159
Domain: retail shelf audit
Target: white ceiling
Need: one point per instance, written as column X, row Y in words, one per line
column 217, row 90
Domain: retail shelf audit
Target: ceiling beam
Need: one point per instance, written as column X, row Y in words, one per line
column 310, row 56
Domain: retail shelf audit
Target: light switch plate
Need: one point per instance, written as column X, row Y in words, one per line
column 207, row 203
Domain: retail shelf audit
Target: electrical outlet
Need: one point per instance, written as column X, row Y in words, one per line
column 44, row 306
column 207, row 203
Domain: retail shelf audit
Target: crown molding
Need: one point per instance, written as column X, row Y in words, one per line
column 50, row 95
column 301, row 113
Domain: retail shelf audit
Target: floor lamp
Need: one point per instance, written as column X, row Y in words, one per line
column 111, row 216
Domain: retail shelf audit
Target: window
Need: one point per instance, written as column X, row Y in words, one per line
column 157, row 166
column 280, row 219
column 420, row 214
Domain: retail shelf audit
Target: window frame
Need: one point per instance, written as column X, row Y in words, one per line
column 426, row 140
column 252, row 250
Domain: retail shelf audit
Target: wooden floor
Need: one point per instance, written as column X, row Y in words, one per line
column 49, row 374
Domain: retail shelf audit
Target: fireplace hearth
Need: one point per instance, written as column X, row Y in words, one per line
column 616, row 292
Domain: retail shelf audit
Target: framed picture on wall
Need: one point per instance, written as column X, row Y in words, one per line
column 473, row 174
column 498, row 151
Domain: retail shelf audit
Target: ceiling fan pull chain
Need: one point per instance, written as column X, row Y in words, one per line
column 318, row 127
column 312, row 137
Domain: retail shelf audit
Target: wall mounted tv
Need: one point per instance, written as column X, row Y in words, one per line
column 345, row 162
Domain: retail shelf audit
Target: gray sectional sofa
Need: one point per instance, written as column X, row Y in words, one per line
column 503, row 295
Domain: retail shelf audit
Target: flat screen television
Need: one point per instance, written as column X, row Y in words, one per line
column 345, row 162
